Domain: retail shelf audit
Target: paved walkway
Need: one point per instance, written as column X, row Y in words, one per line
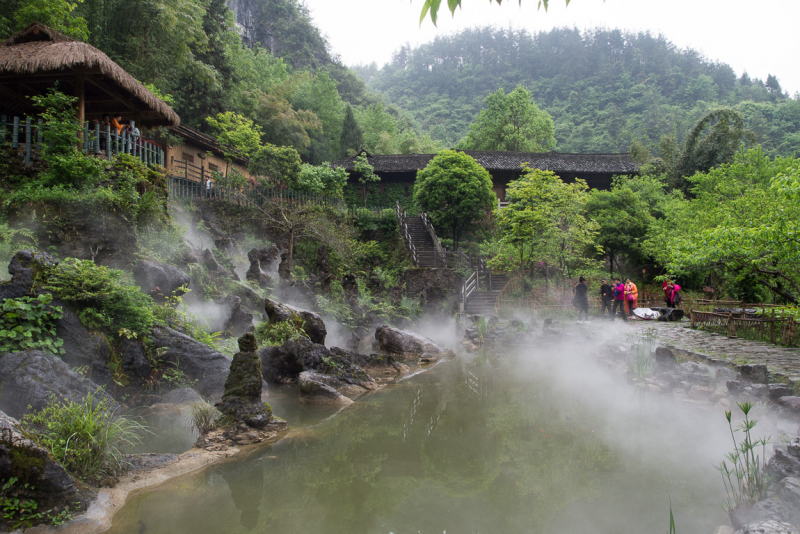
column 782, row 363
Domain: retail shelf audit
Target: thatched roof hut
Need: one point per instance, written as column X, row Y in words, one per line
column 34, row 59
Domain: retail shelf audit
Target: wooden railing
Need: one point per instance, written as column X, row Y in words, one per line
column 469, row 287
column 775, row 330
column 437, row 242
column 28, row 135
column 401, row 218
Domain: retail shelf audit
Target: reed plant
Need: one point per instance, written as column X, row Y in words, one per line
column 745, row 471
column 203, row 417
column 641, row 364
column 482, row 328
column 84, row 436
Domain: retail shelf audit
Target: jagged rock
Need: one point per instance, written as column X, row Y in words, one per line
column 261, row 262
column 316, row 388
column 83, row 350
column 405, row 345
column 39, row 476
column 669, row 314
column 723, row 374
column 377, row 366
column 313, row 325
column 785, row 462
column 196, row 360
column 29, row 378
column 159, row 280
column 666, row 362
column 284, row 270
column 211, row 262
column 135, row 363
column 789, row 406
column 234, row 319
column 769, row 527
column 25, row 264
column 756, row 373
column 766, row 510
column 242, row 398
column 776, row 391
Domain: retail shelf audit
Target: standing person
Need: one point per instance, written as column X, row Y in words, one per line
column 581, row 292
column 668, row 288
column 619, row 300
column 606, row 297
column 631, row 295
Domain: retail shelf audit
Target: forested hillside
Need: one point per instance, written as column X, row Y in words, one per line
column 266, row 62
column 603, row 88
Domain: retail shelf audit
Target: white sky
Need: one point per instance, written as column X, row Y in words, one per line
column 759, row 36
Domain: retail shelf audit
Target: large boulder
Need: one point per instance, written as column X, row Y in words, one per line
column 159, row 280
column 786, row 461
column 23, row 268
column 313, row 325
column 28, row 379
column 406, row 345
column 242, row 398
column 768, row 527
column 200, row 363
column 82, row 349
column 39, row 476
column 234, row 319
column 315, row 388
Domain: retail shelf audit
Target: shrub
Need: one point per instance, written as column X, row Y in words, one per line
column 173, row 313
column 203, row 417
column 101, row 296
column 85, row 436
column 29, row 323
column 278, row 333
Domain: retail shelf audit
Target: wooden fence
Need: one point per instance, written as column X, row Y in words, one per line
column 28, row 135
column 775, row 330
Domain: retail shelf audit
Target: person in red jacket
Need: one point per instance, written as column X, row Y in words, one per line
column 619, row 300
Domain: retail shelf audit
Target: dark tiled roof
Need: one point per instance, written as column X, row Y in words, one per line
column 508, row 161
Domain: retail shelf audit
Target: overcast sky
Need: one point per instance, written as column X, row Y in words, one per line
column 760, row 37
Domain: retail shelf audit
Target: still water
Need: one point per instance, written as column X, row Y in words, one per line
column 490, row 444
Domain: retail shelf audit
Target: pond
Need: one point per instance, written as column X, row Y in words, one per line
column 538, row 442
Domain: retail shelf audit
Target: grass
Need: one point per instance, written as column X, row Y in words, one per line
column 745, row 478
column 84, row 436
column 641, row 366
column 203, row 417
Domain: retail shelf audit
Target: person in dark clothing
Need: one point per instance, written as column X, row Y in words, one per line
column 619, row 300
column 606, row 297
column 581, row 293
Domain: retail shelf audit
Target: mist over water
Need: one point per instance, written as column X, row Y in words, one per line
column 539, row 440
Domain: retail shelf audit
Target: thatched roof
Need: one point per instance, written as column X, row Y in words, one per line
column 560, row 163
column 38, row 56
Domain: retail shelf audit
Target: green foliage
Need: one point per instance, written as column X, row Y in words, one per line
column 432, row 7
column 455, row 192
column 236, row 133
column 57, row 14
column 321, row 179
column 280, row 164
column 14, row 239
column 102, row 297
column 740, row 224
column 278, row 333
column 29, row 323
column 352, row 138
column 174, row 314
column 512, row 123
column 84, row 436
column 746, row 478
column 203, row 417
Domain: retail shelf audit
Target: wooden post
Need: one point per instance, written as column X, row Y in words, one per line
column 772, row 328
column 97, row 139
column 742, row 314
column 15, row 133
column 731, row 327
column 86, row 137
column 28, row 132
column 108, row 141
column 790, row 331
column 692, row 316
column 80, row 92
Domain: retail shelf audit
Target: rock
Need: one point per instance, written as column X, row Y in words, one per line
column 197, row 361
column 666, row 362
column 766, row 510
column 722, row 529
column 135, row 363
column 159, row 280
column 313, row 325
column 776, row 391
column 789, row 405
column 211, row 262
column 147, row 461
column 788, row 490
column 283, row 364
column 234, row 319
column 785, row 462
column 669, row 314
column 315, row 388
column 81, row 348
column 39, row 476
column 182, row 396
column 769, row 527
column 25, row 264
column 261, row 263
column 405, row 345
column 723, row 374
column 756, row 373
column 243, row 388
column 29, row 378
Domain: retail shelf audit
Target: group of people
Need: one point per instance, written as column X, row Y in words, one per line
column 623, row 295
column 115, row 125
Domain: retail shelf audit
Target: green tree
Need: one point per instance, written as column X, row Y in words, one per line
column 236, row 132
column 322, row 179
column 546, row 222
column 455, row 192
column 742, row 223
column 366, row 174
column 510, row 122
column 352, row 137
column 277, row 164
column 57, row 14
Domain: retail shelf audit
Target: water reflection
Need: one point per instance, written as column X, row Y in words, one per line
column 474, row 445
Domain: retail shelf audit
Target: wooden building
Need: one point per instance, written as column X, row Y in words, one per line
column 35, row 59
column 597, row 169
column 198, row 155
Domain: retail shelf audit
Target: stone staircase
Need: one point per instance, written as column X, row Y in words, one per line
column 483, row 302
column 423, row 243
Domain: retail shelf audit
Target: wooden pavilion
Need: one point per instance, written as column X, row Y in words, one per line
column 38, row 57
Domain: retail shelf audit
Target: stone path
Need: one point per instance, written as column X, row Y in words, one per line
column 783, row 363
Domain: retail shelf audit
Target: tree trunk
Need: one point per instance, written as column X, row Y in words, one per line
column 610, row 262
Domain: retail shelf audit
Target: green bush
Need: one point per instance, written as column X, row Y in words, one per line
column 102, row 297
column 29, row 323
column 278, row 333
column 173, row 313
column 85, row 436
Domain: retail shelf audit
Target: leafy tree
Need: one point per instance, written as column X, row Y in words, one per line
column 511, row 122
column 366, row 174
column 352, row 137
column 57, row 14
column 545, row 223
column 742, row 223
column 279, row 164
column 319, row 95
column 322, row 179
column 236, row 132
column 455, row 191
